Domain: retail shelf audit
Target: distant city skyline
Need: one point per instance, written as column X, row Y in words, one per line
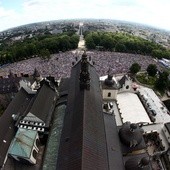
column 154, row 13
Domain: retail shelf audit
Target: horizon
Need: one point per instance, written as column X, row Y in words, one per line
column 24, row 12
column 95, row 20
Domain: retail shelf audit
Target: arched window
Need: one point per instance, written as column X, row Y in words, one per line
column 34, row 153
column 109, row 94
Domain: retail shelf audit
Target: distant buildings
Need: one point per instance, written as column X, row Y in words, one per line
column 54, row 27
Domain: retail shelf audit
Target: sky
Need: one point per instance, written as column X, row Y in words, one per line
column 20, row 12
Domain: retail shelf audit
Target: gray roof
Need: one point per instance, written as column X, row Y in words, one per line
column 130, row 134
column 64, row 85
column 63, row 91
column 113, row 143
column 44, row 104
column 7, row 127
column 132, row 162
column 83, row 140
column 127, row 149
column 29, row 79
column 123, row 80
column 110, row 83
column 10, row 84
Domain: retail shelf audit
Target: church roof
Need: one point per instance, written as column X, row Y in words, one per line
column 135, row 163
column 83, row 139
column 113, row 143
column 64, row 85
column 123, row 80
column 63, row 91
column 43, row 104
column 10, row 84
column 130, row 134
column 7, row 125
column 110, row 83
column 23, row 143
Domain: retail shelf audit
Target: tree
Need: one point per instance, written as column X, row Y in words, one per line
column 96, row 38
column 107, row 42
column 135, row 67
column 152, row 70
column 162, row 82
column 64, row 42
column 120, row 47
column 45, row 54
column 31, row 49
column 157, row 53
column 89, row 42
column 74, row 39
column 9, row 58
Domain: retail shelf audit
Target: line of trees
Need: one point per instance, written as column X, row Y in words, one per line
column 41, row 46
column 123, row 42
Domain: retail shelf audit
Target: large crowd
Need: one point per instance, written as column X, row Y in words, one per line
column 119, row 62
column 59, row 65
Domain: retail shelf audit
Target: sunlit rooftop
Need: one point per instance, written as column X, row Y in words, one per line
column 131, row 108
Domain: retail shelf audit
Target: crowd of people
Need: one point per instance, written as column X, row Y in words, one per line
column 119, row 62
column 59, row 65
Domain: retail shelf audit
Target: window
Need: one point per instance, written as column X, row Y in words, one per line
column 37, row 142
column 109, row 94
column 34, row 153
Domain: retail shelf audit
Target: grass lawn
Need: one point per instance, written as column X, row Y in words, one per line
column 145, row 79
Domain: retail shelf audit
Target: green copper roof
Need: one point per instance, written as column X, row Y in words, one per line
column 22, row 143
column 54, row 139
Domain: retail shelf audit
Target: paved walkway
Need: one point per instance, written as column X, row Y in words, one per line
column 81, row 44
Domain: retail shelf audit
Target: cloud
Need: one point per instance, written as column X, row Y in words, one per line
column 124, row 2
column 152, row 12
column 31, row 3
column 5, row 13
